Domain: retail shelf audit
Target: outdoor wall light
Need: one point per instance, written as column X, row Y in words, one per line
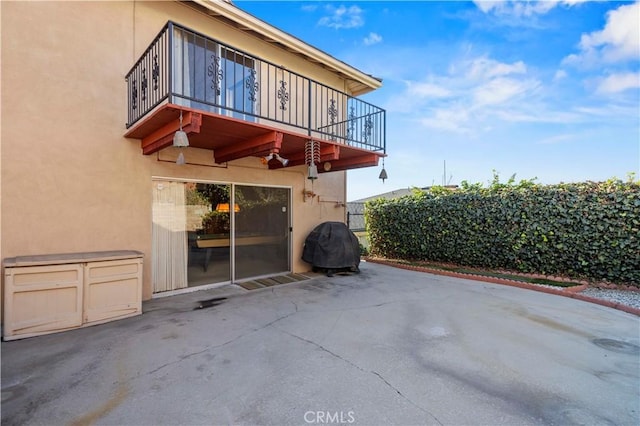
column 180, row 140
column 276, row 156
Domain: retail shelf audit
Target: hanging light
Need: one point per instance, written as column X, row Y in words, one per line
column 180, row 140
column 180, row 160
column 383, row 172
column 311, row 158
column 313, row 172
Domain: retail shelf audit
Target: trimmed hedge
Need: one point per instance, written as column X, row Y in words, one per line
column 587, row 230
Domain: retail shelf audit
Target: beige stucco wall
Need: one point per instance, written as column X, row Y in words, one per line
column 70, row 181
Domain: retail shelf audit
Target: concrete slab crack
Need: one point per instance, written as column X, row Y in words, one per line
column 335, row 323
column 254, row 330
column 407, row 399
column 322, row 348
column 208, row 348
column 358, row 308
column 180, row 359
column 357, row 367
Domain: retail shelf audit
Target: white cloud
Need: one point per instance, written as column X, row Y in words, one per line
column 342, row 17
column 427, row 90
column 519, row 9
column 559, row 75
column 471, row 94
column 309, row 7
column 613, row 52
column 501, row 90
column 483, row 67
column 538, row 113
column 559, row 139
column 450, row 119
column 479, row 93
column 620, row 38
column 616, row 83
column 372, row 38
column 618, row 41
column 487, row 6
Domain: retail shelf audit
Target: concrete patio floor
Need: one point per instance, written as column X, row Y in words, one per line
column 387, row 346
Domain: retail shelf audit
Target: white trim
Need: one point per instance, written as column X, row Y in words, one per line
column 191, row 289
column 232, row 233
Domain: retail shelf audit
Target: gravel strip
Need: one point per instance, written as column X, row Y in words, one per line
column 624, row 297
column 628, row 298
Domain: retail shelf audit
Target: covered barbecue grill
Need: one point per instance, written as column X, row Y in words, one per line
column 332, row 247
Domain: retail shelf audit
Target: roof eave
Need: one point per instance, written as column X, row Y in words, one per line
column 359, row 82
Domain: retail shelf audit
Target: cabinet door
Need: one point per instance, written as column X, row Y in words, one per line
column 112, row 289
column 42, row 299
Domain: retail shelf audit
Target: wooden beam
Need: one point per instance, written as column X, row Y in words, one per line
column 365, row 160
column 328, row 152
column 259, row 145
column 163, row 137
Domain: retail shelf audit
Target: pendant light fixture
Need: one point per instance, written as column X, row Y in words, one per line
column 312, row 157
column 180, row 140
column 383, row 172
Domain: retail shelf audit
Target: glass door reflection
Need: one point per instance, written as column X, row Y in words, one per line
column 209, row 230
column 261, row 231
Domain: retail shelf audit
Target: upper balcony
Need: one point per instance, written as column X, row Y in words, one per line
column 239, row 105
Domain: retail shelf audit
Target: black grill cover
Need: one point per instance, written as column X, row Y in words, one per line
column 332, row 245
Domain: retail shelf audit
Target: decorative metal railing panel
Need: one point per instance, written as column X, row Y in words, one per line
column 148, row 80
column 186, row 68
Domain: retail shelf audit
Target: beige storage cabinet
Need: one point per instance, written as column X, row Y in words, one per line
column 112, row 289
column 42, row 299
column 53, row 293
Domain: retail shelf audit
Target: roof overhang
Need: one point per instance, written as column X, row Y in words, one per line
column 358, row 82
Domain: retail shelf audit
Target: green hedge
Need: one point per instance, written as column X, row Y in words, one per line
column 587, row 230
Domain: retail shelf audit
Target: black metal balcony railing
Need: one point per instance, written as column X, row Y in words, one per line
column 187, row 68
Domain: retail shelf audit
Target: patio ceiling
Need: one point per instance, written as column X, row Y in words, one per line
column 231, row 139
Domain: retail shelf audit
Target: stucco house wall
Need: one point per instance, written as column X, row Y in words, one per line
column 70, row 180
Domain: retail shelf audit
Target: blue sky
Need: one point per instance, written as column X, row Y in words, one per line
column 547, row 90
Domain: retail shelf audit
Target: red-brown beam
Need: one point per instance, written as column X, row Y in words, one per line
column 327, row 153
column 366, row 160
column 163, row 136
column 263, row 144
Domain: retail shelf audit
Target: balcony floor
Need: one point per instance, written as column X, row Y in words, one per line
column 232, row 138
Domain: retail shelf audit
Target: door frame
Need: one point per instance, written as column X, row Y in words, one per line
column 289, row 230
column 232, row 264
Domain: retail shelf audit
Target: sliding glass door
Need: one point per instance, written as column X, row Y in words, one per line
column 190, row 235
column 209, row 229
column 261, row 238
column 204, row 233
